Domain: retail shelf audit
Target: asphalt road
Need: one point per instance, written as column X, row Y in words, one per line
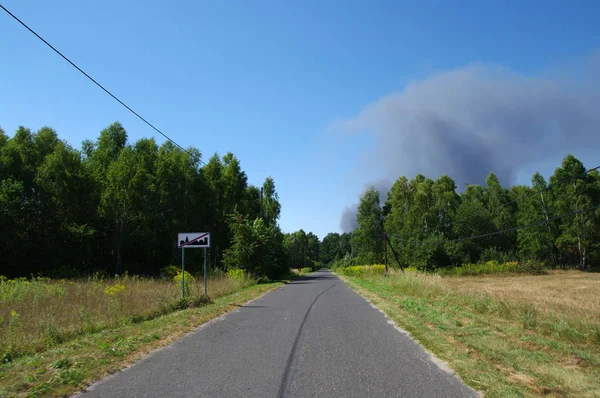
column 314, row 337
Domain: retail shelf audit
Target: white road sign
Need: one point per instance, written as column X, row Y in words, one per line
column 193, row 240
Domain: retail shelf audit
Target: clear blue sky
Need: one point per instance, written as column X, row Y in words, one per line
column 265, row 79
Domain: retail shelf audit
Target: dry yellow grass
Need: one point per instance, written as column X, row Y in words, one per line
column 570, row 293
column 518, row 336
column 39, row 313
column 65, row 368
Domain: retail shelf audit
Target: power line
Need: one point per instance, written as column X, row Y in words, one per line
column 96, row 83
column 500, row 231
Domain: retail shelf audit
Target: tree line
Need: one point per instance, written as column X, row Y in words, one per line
column 115, row 206
column 427, row 221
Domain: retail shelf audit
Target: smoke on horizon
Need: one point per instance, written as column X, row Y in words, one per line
column 474, row 120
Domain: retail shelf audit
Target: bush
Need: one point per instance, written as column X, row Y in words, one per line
column 493, row 267
column 344, row 262
column 236, row 273
column 188, row 280
column 494, row 254
column 362, row 270
column 170, row 271
column 256, row 247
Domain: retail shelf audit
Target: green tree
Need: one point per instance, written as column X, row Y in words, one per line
column 296, row 246
column 271, row 205
column 367, row 239
column 329, row 249
column 535, row 204
column 502, row 214
column 312, row 247
column 576, row 190
column 257, row 248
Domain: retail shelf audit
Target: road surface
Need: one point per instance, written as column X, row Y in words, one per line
column 314, row 337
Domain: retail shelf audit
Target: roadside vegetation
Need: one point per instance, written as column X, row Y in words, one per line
column 98, row 215
column 115, row 206
column 435, row 226
column 503, row 335
column 497, row 281
column 59, row 335
column 39, row 313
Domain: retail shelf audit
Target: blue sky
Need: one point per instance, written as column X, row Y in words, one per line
column 271, row 80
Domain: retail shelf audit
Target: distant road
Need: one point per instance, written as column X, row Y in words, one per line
column 314, row 337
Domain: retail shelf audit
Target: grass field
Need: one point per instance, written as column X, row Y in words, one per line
column 58, row 336
column 505, row 336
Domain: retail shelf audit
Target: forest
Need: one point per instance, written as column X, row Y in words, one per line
column 428, row 225
column 116, row 207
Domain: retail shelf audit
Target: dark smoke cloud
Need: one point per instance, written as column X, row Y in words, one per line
column 348, row 222
column 471, row 121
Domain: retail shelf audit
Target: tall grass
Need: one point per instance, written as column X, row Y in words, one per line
column 493, row 267
column 572, row 314
column 38, row 313
column 506, row 336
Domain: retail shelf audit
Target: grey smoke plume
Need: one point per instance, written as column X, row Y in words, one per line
column 348, row 222
column 471, row 121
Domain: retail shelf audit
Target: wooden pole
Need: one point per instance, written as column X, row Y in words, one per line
column 396, row 257
column 385, row 254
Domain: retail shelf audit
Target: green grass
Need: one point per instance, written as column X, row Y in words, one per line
column 493, row 267
column 66, row 365
column 502, row 347
column 38, row 313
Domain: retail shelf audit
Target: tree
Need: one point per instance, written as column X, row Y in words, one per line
column 345, row 244
column 117, row 206
column 257, row 248
column 296, row 245
column 575, row 191
column 501, row 212
column 536, row 204
column 271, row 205
column 329, row 249
column 312, row 247
column 367, row 239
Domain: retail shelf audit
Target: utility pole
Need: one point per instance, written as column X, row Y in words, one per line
column 385, row 253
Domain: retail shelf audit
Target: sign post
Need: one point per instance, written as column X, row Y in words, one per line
column 192, row 240
column 205, row 293
column 182, row 272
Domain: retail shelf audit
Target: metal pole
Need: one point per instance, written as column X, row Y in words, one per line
column 182, row 273
column 205, row 293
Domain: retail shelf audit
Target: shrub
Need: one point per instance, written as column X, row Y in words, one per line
column 189, row 279
column 115, row 289
column 494, row 267
column 236, row 273
column 170, row 271
column 362, row 270
column 344, row 262
column 494, row 254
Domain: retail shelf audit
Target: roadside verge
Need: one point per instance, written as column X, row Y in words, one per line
column 69, row 367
